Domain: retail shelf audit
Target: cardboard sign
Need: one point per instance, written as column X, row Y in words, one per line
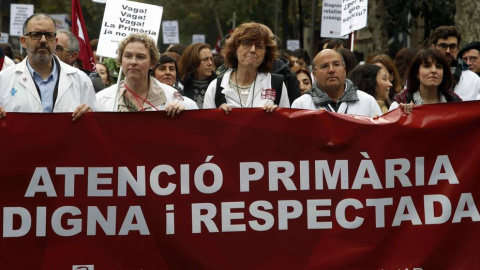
column 18, row 15
column 354, row 15
column 170, row 31
column 122, row 18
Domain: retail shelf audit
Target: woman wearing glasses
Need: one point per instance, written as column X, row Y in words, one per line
column 249, row 55
column 429, row 81
column 137, row 54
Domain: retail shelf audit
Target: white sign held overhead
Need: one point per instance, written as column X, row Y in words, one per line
column 293, row 44
column 331, row 19
column 4, row 38
column 122, row 18
column 18, row 15
column 354, row 15
column 170, row 32
column 198, row 39
column 61, row 20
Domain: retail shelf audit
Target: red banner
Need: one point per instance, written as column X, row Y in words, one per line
column 80, row 31
column 291, row 189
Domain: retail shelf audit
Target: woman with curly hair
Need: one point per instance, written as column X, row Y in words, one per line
column 249, row 55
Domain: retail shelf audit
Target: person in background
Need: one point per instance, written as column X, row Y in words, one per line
column 402, row 62
column 102, row 71
column 470, row 54
column 303, row 58
column 176, row 48
column 384, row 61
column 41, row 82
column 249, row 55
column 67, row 47
column 137, row 54
column 6, row 56
column 218, row 61
column 166, row 72
column 447, row 39
column 349, row 58
column 331, row 90
column 429, row 81
column 304, row 79
column 373, row 80
column 196, row 71
column 335, row 44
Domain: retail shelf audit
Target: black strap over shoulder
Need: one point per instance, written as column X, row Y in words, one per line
column 277, row 84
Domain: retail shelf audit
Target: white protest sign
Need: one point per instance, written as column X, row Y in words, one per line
column 354, row 15
column 170, row 32
column 293, row 44
column 198, row 39
column 61, row 20
column 124, row 17
column 18, row 15
column 331, row 19
column 4, row 38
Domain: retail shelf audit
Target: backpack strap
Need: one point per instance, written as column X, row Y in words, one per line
column 277, row 84
column 219, row 96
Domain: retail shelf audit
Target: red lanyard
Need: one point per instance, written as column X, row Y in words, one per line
column 139, row 98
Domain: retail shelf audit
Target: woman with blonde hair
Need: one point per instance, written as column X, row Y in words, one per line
column 137, row 54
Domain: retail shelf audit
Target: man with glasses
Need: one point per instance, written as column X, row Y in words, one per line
column 333, row 92
column 67, row 47
column 470, row 54
column 42, row 83
column 447, row 39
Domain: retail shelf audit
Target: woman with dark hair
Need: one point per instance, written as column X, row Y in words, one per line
column 349, row 58
column 249, row 55
column 166, row 72
column 429, row 80
column 402, row 62
column 385, row 61
column 102, row 70
column 196, row 71
column 304, row 79
column 373, row 80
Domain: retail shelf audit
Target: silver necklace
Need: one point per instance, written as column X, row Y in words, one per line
column 238, row 91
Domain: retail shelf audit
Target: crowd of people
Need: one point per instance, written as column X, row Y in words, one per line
column 250, row 71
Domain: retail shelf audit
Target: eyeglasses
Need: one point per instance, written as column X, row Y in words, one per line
column 38, row 35
column 472, row 59
column 247, row 45
column 60, row 49
column 326, row 66
column 443, row 46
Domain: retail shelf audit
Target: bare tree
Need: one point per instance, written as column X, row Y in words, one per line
column 466, row 20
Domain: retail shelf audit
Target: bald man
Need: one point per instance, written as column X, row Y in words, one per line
column 333, row 92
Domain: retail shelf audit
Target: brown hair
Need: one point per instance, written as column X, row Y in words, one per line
column 257, row 33
column 413, row 84
column 387, row 62
column 190, row 59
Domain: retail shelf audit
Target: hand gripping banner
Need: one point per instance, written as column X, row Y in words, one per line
column 291, row 189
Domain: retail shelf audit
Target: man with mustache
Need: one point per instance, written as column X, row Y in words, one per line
column 447, row 39
column 333, row 92
column 42, row 83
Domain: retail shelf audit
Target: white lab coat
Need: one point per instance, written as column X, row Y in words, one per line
column 107, row 99
column 19, row 94
column 263, row 82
